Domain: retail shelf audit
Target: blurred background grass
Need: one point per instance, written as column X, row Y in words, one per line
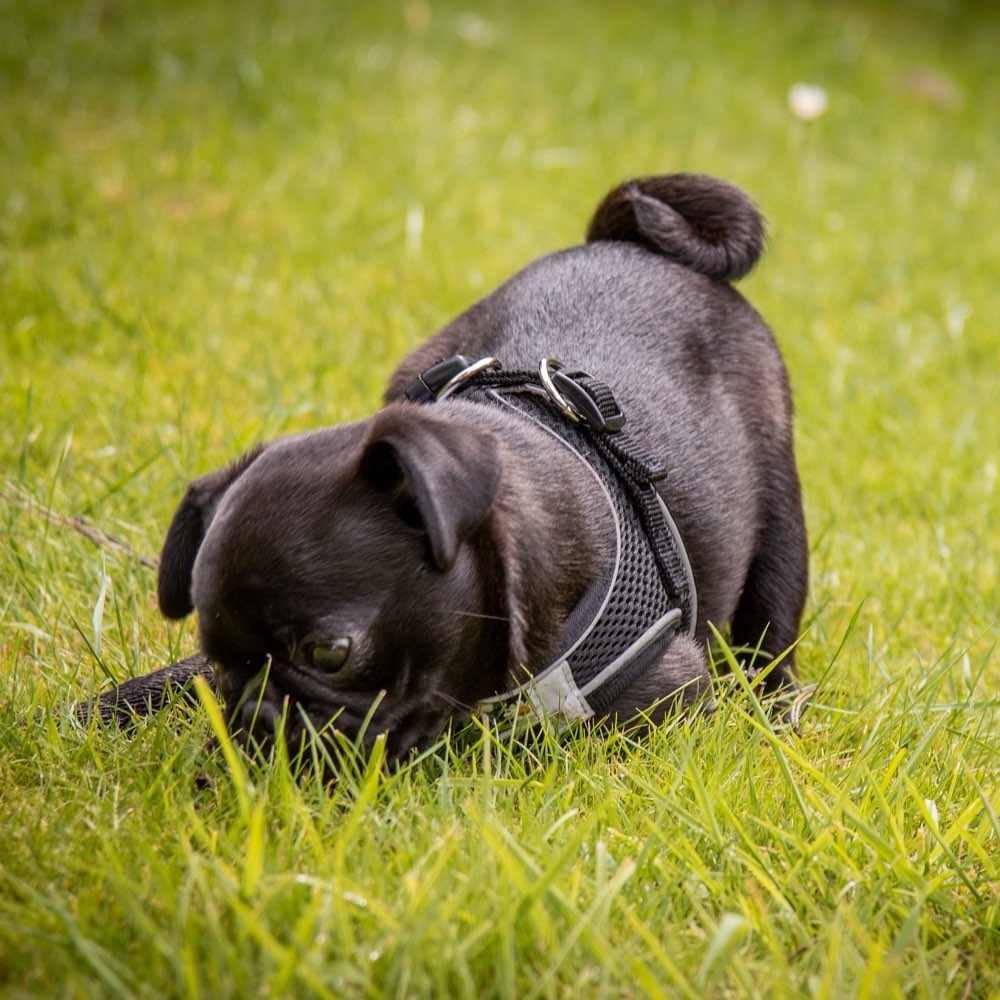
column 220, row 222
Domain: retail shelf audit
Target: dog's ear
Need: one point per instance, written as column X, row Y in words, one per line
column 441, row 477
column 703, row 223
column 187, row 531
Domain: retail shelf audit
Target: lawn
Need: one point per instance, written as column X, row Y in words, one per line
column 223, row 222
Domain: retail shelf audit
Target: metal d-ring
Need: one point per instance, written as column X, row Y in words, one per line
column 567, row 409
column 483, row 364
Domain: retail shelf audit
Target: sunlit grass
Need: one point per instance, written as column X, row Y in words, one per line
column 217, row 227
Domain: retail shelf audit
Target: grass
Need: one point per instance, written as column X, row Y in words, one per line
column 219, row 225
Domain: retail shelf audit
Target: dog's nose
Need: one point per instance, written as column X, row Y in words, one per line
column 258, row 717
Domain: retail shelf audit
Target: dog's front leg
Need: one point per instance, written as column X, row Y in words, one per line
column 678, row 681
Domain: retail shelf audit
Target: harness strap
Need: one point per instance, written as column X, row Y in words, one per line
column 625, row 620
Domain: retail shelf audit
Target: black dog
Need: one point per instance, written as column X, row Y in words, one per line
column 509, row 541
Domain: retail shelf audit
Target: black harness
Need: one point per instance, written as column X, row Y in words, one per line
column 625, row 620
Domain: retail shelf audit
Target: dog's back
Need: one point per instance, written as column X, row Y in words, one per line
column 645, row 305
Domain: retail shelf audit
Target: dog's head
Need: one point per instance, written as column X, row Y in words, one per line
column 347, row 577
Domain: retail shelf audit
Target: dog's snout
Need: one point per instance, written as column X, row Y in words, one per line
column 258, row 713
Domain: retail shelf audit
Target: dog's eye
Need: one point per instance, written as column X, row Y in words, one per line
column 330, row 656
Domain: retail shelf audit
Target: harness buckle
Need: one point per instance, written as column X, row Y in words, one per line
column 469, row 371
column 575, row 401
column 443, row 377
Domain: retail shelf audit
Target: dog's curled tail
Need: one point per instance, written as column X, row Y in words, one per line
column 703, row 223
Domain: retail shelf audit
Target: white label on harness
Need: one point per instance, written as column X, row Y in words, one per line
column 553, row 695
column 556, row 692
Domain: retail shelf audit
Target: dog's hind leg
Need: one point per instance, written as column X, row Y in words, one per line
column 770, row 608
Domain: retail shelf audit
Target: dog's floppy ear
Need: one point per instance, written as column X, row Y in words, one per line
column 703, row 223
column 187, row 531
column 441, row 476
